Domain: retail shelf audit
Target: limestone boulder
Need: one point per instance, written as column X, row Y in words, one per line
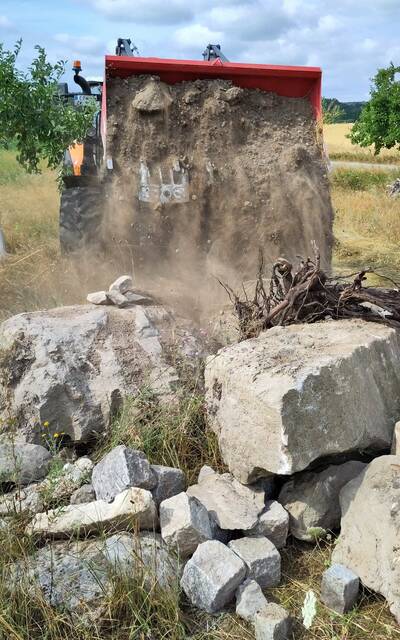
column 145, row 554
column 261, row 558
column 273, row 523
column 231, row 505
column 370, row 529
column 120, row 469
column 133, row 508
column 312, row 498
column 298, row 393
column 185, row 524
column 212, row 575
column 71, row 367
column 23, row 463
column 249, row 600
column 170, row 482
column 78, row 576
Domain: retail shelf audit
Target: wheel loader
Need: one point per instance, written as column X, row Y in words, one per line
column 166, row 196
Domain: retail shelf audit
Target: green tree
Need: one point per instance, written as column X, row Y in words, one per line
column 379, row 121
column 33, row 115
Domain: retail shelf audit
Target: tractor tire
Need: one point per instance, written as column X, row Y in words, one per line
column 81, row 214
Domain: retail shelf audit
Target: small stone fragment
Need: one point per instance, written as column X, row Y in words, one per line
column 249, row 600
column 84, row 494
column 204, row 472
column 261, row 558
column 272, row 623
column 395, row 451
column 117, row 298
column 170, row 482
column 184, row 523
column 273, row 523
column 339, row 588
column 122, row 468
column 121, row 284
column 212, row 575
column 98, row 297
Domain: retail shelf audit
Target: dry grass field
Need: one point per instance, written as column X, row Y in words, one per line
column 340, row 148
column 34, row 276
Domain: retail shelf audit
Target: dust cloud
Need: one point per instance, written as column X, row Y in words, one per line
column 256, row 178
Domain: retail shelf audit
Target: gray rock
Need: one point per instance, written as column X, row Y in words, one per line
column 138, row 298
column 295, row 394
column 117, row 298
column 249, row 600
column 72, row 366
column 98, row 297
column 370, row 529
column 170, row 482
column 273, row 523
column 23, row 463
column 395, row 451
column 184, row 523
column 312, row 498
column 131, row 508
column 143, row 554
column 212, row 575
column 339, row 588
column 71, row 576
column 84, row 494
column 261, row 558
column 231, row 504
column 272, row 623
column 120, row 469
column 24, row 500
column 122, row 284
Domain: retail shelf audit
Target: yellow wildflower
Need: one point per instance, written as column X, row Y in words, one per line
column 56, row 435
column 46, row 424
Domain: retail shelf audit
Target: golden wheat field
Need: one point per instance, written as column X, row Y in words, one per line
column 340, row 147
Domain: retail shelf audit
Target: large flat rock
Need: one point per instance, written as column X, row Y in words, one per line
column 131, row 509
column 295, row 394
column 70, row 367
column 370, row 529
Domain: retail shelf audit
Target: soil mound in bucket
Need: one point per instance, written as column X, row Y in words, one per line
column 206, row 173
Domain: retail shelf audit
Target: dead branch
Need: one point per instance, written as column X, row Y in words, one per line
column 308, row 295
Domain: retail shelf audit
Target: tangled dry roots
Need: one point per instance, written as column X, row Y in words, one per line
column 308, row 295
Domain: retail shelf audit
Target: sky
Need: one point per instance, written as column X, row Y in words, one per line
column 349, row 39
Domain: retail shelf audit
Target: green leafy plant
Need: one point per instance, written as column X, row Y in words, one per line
column 34, row 118
column 379, row 122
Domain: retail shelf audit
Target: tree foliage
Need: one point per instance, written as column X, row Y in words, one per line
column 33, row 115
column 379, row 122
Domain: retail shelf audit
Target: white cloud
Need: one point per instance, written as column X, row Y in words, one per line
column 5, row 23
column 145, row 11
column 82, row 44
column 328, row 23
column 186, row 36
